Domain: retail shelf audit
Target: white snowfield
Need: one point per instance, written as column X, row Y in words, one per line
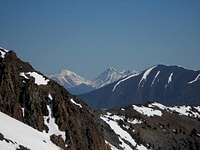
column 22, row 134
column 122, row 134
column 118, row 83
column 39, row 79
column 75, row 103
column 147, row 111
column 3, row 52
column 181, row 110
column 196, row 79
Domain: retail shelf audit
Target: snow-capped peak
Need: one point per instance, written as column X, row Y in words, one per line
column 108, row 76
column 69, row 79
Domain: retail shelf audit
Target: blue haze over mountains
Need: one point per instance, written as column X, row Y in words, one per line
column 89, row 36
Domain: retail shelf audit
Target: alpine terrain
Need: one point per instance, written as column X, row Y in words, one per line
column 79, row 85
column 152, row 126
column 166, row 84
column 37, row 113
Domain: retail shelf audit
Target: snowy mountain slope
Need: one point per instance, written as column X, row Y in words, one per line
column 78, row 85
column 167, row 84
column 14, row 134
column 152, row 126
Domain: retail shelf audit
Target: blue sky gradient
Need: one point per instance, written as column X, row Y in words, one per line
column 91, row 35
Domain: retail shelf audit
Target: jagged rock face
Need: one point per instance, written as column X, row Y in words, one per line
column 22, row 98
column 153, row 126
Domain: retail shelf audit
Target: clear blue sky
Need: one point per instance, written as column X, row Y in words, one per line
column 88, row 36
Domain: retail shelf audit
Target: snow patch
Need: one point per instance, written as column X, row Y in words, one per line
column 123, row 135
column 147, row 111
column 197, row 108
column 3, row 52
column 161, row 106
column 49, row 121
column 22, row 74
column 181, row 110
column 184, row 110
column 50, row 97
column 39, row 79
column 135, row 121
column 75, row 103
column 119, row 131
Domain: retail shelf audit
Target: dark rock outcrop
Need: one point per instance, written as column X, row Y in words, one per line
column 23, row 99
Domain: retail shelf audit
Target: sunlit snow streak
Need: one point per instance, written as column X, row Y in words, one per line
column 50, row 96
column 145, row 75
column 155, row 78
column 117, row 84
column 170, row 78
column 196, row 79
column 75, row 103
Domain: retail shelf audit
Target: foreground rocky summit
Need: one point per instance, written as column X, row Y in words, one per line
column 30, row 97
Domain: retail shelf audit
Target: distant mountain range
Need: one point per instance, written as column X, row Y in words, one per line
column 166, row 84
column 78, row 85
